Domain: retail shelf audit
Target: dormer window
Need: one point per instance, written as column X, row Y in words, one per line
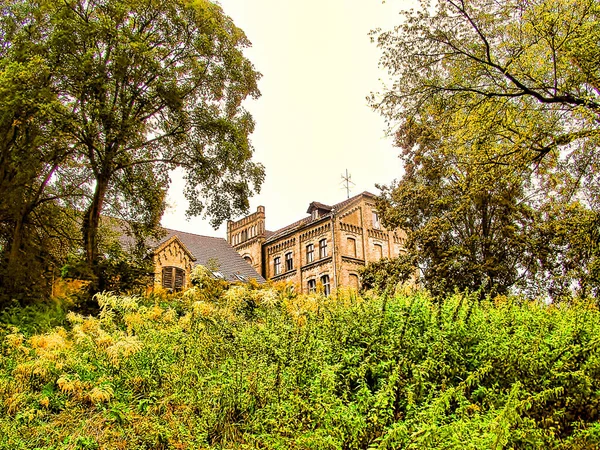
column 317, row 210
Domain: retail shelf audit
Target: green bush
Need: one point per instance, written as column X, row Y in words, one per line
column 249, row 367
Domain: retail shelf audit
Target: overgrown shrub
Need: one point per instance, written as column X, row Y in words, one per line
column 249, row 367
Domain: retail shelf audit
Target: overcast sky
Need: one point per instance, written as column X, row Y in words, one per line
column 312, row 120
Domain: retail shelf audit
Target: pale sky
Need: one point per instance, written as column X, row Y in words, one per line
column 312, row 120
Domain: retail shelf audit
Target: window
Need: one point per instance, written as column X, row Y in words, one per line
column 351, row 247
column 173, row 278
column 378, row 251
column 322, row 248
column 376, row 223
column 354, row 281
column 289, row 262
column 325, row 283
column 310, row 253
column 277, row 265
column 312, row 285
column 248, row 259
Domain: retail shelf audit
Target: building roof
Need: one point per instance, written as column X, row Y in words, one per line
column 308, row 220
column 203, row 250
column 208, row 250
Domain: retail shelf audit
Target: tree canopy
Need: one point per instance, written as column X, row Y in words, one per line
column 495, row 107
column 533, row 64
column 133, row 89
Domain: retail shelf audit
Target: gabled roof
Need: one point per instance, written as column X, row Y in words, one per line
column 207, row 250
column 174, row 238
column 341, row 205
column 320, row 206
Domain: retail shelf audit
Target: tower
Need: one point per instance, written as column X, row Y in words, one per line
column 247, row 236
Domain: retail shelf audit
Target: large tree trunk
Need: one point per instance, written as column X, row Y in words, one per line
column 91, row 223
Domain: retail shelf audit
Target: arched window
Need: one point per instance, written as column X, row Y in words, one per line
column 322, row 248
column 248, row 259
column 376, row 223
column 289, row 261
column 351, row 247
column 354, row 281
column 378, row 251
column 277, row 265
column 312, row 285
column 173, row 278
column 310, row 253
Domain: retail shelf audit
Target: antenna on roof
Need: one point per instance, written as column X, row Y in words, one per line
column 347, row 181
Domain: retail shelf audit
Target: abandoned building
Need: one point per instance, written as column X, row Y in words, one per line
column 325, row 249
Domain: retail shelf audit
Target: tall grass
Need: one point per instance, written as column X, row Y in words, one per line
column 243, row 367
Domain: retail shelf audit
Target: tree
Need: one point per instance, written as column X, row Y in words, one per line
column 34, row 161
column 144, row 87
column 496, row 108
column 385, row 275
column 467, row 223
column 150, row 86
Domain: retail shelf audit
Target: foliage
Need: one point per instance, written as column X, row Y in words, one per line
column 386, row 274
column 195, row 370
column 37, row 318
column 33, row 163
column 495, row 107
column 531, row 65
column 149, row 87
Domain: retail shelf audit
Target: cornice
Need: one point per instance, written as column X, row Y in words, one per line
column 317, row 263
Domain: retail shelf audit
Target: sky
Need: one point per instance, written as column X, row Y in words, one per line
column 313, row 123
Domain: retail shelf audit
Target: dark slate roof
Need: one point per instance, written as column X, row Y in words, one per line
column 207, row 249
column 307, row 220
column 288, row 229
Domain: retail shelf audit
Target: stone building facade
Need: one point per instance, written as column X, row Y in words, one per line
column 322, row 251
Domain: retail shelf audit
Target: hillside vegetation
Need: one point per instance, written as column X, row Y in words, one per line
column 246, row 367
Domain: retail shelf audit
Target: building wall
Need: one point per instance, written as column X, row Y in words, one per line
column 296, row 244
column 172, row 254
